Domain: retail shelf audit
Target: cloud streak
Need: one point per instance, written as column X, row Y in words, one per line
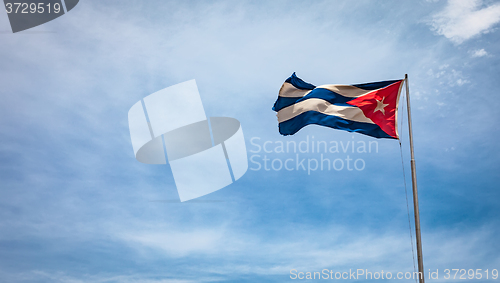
column 462, row 20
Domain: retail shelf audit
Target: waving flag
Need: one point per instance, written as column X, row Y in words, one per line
column 369, row 109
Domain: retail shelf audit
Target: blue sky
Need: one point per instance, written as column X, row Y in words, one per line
column 76, row 206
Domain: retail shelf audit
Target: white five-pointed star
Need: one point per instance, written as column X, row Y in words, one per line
column 380, row 106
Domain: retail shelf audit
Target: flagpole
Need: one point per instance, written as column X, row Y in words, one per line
column 414, row 185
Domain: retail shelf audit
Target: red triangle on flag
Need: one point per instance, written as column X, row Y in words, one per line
column 381, row 107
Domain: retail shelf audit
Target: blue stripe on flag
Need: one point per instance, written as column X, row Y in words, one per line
column 322, row 93
column 299, row 83
column 283, row 102
column 293, row 125
column 376, row 85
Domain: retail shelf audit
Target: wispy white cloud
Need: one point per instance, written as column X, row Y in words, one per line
column 449, row 76
column 64, row 277
column 316, row 248
column 177, row 243
column 312, row 248
column 479, row 53
column 464, row 19
column 308, row 248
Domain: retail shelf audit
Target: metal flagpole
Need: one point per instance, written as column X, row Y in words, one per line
column 415, row 192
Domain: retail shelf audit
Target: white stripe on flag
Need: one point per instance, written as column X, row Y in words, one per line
column 346, row 90
column 288, row 90
column 325, row 107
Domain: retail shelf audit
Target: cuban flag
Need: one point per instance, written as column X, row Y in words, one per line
column 369, row 109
